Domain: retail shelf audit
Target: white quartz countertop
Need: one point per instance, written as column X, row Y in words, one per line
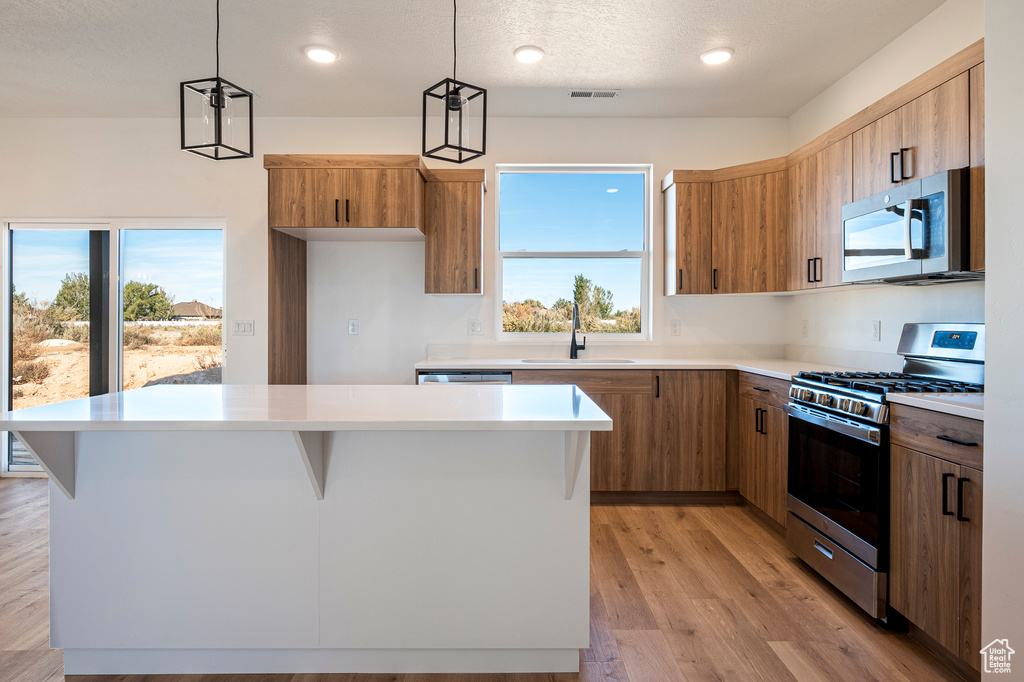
column 970, row 405
column 779, row 369
column 320, row 408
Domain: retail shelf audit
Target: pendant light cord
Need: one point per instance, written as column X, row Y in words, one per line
column 455, row 37
column 218, row 40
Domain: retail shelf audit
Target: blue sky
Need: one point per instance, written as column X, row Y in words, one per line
column 188, row 264
column 571, row 212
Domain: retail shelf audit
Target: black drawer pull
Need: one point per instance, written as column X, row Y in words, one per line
column 758, row 388
column 945, row 494
column 948, row 439
column 960, row 498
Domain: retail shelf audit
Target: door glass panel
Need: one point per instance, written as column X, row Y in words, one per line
column 49, row 322
column 172, row 299
column 878, row 238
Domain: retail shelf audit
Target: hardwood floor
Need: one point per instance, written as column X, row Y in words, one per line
column 677, row 593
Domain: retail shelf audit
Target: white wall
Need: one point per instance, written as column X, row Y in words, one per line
column 951, row 27
column 1003, row 598
column 80, row 168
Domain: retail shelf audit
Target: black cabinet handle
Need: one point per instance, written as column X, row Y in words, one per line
column 714, row 278
column 945, row 494
column 892, row 168
column 960, row 498
column 680, row 287
column 764, row 427
column 764, row 390
column 903, row 163
column 346, row 211
column 657, row 385
column 335, row 210
column 759, row 420
column 810, row 277
column 476, row 279
column 948, row 439
column 818, row 269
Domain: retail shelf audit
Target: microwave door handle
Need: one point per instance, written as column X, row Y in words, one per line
column 908, row 246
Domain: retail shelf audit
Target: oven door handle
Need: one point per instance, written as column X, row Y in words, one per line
column 868, row 434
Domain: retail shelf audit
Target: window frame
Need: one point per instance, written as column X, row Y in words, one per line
column 117, row 228
column 645, row 255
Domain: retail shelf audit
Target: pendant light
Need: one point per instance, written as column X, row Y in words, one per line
column 454, row 114
column 216, row 116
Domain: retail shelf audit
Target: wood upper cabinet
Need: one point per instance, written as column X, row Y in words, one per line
column 344, row 191
column 977, row 96
column 935, row 562
column 688, row 238
column 749, row 218
column 453, row 220
column 926, row 136
column 819, row 187
column 689, row 431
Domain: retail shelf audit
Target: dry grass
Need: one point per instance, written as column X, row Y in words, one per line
column 28, row 372
column 205, row 335
column 136, row 336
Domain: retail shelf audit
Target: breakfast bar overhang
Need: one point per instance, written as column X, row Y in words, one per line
column 314, row 529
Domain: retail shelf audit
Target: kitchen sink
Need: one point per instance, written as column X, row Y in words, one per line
column 581, row 361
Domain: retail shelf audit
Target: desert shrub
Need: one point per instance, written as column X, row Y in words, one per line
column 201, row 335
column 203, row 362
column 76, row 332
column 135, row 336
column 30, row 372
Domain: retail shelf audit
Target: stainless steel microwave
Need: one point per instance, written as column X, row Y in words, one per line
column 914, row 233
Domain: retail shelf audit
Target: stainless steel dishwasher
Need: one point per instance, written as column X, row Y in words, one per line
column 471, row 378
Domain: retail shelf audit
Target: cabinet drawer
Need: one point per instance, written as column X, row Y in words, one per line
column 957, row 439
column 617, row 381
column 774, row 392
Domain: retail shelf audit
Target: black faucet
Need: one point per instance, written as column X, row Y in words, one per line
column 574, row 347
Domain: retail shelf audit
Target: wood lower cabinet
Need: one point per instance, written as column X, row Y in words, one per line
column 689, row 431
column 764, row 446
column 935, row 557
column 453, row 221
column 668, row 427
column 749, row 234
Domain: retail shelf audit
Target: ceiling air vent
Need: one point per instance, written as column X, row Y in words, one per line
column 593, row 94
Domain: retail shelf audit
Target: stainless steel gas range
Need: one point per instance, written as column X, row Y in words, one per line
column 838, row 499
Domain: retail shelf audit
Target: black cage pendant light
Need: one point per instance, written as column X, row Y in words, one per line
column 216, row 116
column 454, row 114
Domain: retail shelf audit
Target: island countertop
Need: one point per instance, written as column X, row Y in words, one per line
column 319, row 408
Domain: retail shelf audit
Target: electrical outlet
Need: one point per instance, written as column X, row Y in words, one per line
column 475, row 327
column 876, row 330
column 243, row 327
column 805, row 329
column 353, row 327
column 676, row 328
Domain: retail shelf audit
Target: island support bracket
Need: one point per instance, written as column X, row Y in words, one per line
column 57, row 453
column 576, row 443
column 311, row 449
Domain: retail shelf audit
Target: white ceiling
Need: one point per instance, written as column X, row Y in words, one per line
column 124, row 58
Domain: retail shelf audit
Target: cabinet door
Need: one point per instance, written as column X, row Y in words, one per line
column 970, row 567
column 452, row 229
column 834, row 173
column 751, row 449
column 290, row 197
column 872, row 146
column 936, row 129
column 689, row 431
column 749, row 234
column 977, row 106
column 923, row 578
column 774, row 465
column 620, row 458
column 383, row 197
column 727, row 233
column 803, row 223
column 330, row 191
column 688, row 238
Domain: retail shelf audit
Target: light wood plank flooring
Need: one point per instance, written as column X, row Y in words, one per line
column 677, row 593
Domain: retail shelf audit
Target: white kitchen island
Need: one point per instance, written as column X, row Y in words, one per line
column 245, row 529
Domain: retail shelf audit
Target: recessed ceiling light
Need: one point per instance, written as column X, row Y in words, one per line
column 611, row 191
column 719, row 55
column 322, row 54
column 528, row 53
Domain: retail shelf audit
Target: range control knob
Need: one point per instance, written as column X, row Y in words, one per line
column 844, row 404
column 824, row 400
column 807, row 394
column 858, row 408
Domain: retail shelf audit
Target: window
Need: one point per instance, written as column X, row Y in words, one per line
column 74, row 335
column 574, row 234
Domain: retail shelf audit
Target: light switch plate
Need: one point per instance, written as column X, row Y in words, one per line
column 243, row 327
column 353, row 327
column 876, row 330
column 475, row 327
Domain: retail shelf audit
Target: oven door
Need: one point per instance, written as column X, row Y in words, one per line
column 839, row 480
